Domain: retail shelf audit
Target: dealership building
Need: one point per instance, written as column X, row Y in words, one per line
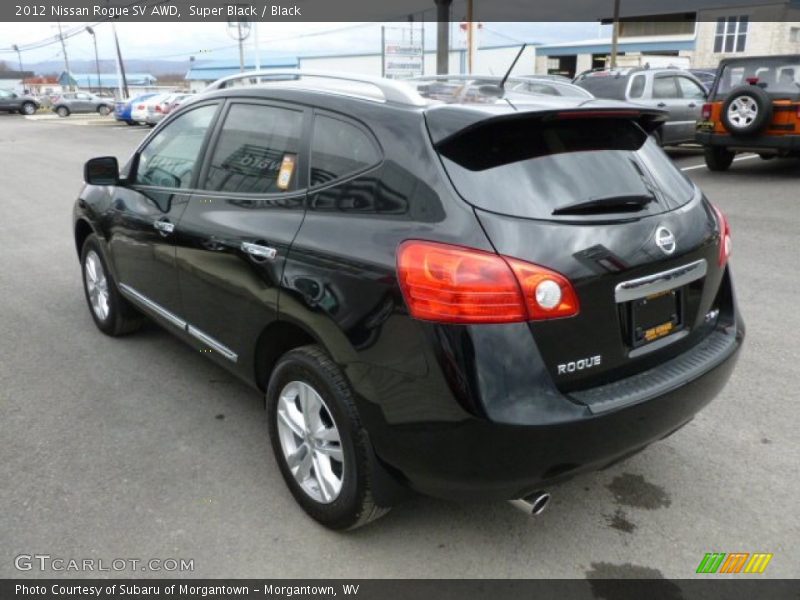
column 697, row 39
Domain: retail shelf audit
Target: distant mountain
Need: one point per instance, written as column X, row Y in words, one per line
column 154, row 67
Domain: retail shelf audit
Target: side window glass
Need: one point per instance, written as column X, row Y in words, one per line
column 664, row 87
column 690, row 90
column 637, row 86
column 339, row 149
column 170, row 157
column 257, row 151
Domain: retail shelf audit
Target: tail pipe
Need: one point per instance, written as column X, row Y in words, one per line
column 532, row 504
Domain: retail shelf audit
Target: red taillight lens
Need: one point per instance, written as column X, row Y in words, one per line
column 453, row 284
column 706, row 111
column 724, row 237
column 140, row 107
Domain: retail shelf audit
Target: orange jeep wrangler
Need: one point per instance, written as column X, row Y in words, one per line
column 753, row 106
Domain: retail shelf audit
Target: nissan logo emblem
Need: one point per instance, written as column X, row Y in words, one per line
column 665, row 240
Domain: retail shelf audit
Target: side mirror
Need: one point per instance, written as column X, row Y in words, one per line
column 101, row 171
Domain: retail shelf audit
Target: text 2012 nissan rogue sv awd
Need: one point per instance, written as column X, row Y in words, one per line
column 470, row 299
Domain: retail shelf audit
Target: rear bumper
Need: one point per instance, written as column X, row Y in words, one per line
column 476, row 458
column 787, row 143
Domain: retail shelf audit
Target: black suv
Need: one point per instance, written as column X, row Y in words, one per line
column 467, row 300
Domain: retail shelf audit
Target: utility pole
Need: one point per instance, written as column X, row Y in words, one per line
column 470, row 39
column 615, row 35
column 66, row 58
column 255, row 46
column 91, row 32
column 15, row 48
column 443, row 36
column 123, row 91
column 241, row 47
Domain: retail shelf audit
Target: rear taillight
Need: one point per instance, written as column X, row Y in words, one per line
column 798, row 111
column 724, row 237
column 159, row 108
column 706, row 111
column 140, row 107
column 453, row 284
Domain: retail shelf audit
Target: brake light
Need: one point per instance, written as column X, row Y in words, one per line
column 707, row 111
column 724, row 237
column 159, row 108
column 453, row 284
column 140, row 107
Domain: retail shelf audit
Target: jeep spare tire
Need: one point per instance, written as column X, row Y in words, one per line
column 747, row 110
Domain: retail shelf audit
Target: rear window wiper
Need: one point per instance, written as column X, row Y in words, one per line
column 606, row 204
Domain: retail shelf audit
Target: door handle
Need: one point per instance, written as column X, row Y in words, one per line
column 661, row 104
column 258, row 251
column 692, row 105
column 164, row 227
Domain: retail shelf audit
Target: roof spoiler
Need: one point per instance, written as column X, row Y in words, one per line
column 445, row 127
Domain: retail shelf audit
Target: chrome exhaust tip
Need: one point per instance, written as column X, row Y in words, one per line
column 532, row 504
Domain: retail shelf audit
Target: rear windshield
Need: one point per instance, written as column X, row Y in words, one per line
column 778, row 75
column 529, row 167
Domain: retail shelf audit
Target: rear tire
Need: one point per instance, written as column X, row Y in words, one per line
column 342, row 496
column 717, row 158
column 112, row 313
column 62, row 111
column 28, row 108
column 130, row 122
column 103, row 110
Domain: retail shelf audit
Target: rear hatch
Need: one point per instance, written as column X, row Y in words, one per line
column 585, row 192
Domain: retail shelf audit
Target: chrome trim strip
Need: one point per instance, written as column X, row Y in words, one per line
column 660, row 282
column 212, row 343
column 145, row 302
column 153, row 306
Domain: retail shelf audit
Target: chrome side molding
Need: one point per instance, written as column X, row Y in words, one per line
column 154, row 307
column 660, row 282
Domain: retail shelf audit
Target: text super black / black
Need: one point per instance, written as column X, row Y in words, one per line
column 471, row 296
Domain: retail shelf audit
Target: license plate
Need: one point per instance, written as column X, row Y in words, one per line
column 655, row 317
column 705, row 125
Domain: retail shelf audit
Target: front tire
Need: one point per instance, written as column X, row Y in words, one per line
column 62, row 111
column 28, row 108
column 318, row 441
column 717, row 158
column 112, row 313
column 103, row 110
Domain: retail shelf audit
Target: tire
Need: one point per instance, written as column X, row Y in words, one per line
column 28, row 108
column 103, row 110
column 308, row 370
column 119, row 316
column 717, row 158
column 129, row 122
column 747, row 110
column 62, row 111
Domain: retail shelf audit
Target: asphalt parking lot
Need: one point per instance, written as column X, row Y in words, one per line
column 141, row 448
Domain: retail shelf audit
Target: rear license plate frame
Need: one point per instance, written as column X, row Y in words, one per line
column 655, row 317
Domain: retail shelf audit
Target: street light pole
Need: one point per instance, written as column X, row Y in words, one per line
column 91, row 32
column 66, row 58
column 615, row 35
column 442, row 36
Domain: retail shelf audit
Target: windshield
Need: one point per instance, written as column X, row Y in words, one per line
column 530, row 168
column 778, row 75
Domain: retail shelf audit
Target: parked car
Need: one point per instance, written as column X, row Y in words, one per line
column 705, row 76
column 177, row 101
column 485, row 88
column 158, row 109
column 11, row 101
column 465, row 300
column 754, row 106
column 124, row 108
column 678, row 92
column 82, row 102
column 141, row 108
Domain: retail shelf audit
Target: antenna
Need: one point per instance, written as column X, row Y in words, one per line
column 511, row 68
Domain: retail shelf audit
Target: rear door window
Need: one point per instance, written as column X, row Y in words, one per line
column 527, row 167
column 664, row 87
column 340, row 149
column 690, row 89
column 257, row 151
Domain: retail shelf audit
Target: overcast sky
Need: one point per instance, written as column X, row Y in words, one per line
column 212, row 40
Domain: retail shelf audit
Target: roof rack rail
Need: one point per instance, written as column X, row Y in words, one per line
column 392, row 91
